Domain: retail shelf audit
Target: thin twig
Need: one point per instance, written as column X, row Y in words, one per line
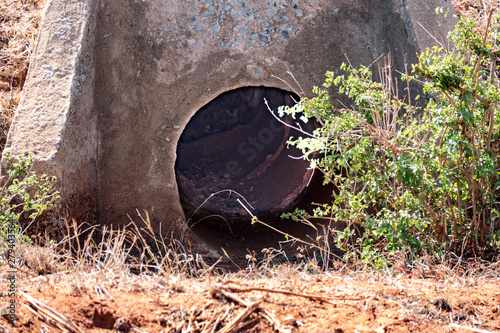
column 286, row 124
column 256, row 220
column 266, row 314
column 219, row 319
column 290, row 293
column 473, row 329
column 231, row 327
column 44, row 313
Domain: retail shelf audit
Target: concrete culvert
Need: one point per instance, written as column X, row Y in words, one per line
column 114, row 84
column 233, row 153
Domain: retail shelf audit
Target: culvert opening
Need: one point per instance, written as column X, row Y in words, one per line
column 234, row 148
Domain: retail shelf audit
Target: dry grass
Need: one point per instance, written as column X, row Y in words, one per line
column 477, row 9
column 76, row 284
column 85, row 282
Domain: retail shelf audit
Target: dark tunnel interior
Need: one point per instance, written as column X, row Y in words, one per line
column 233, row 162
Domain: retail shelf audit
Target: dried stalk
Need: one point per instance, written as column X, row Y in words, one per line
column 231, row 327
column 266, row 314
column 285, row 292
column 46, row 313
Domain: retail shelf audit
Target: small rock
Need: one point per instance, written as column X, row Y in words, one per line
column 290, row 321
column 442, row 304
column 121, row 325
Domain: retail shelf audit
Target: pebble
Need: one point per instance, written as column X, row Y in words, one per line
column 239, row 17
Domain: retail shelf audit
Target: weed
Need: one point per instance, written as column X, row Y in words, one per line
column 23, row 198
column 409, row 179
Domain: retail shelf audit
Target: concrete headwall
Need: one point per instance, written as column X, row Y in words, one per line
column 56, row 119
column 113, row 83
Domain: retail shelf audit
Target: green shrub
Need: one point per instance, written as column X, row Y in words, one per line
column 24, row 197
column 412, row 179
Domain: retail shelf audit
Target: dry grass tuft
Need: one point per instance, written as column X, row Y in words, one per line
column 101, row 270
column 477, row 9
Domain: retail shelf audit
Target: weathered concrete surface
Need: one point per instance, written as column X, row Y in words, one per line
column 113, row 83
column 56, row 119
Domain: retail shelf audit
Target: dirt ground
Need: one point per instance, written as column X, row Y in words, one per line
column 279, row 299
column 287, row 300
